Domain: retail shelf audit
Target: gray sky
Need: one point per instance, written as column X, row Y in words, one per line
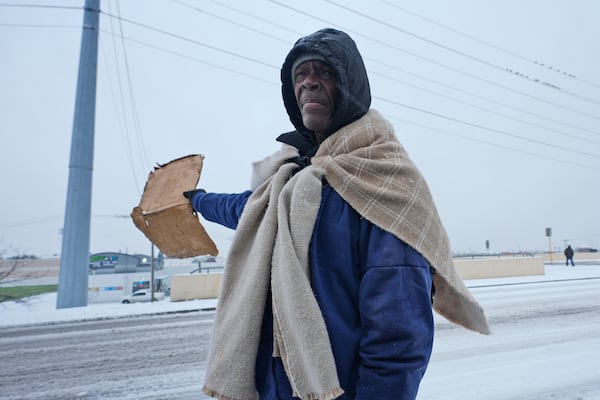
column 498, row 104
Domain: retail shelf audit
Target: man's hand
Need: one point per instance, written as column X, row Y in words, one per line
column 190, row 193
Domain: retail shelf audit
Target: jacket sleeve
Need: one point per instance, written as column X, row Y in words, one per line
column 396, row 319
column 223, row 208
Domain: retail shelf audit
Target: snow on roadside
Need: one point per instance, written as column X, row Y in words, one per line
column 42, row 308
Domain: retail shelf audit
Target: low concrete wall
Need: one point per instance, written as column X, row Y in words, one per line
column 559, row 257
column 500, row 267
column 195, row 286
column 208, row 286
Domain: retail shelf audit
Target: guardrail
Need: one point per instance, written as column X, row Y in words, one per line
column 207, row 270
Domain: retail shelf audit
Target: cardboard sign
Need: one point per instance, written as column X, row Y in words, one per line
column 166, row 217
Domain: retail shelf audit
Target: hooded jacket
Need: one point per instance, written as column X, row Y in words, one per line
column 374, row 291
column 354, row 93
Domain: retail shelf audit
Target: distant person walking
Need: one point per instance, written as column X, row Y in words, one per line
column 569, row 255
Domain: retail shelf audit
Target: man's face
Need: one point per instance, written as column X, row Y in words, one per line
column 315, row 87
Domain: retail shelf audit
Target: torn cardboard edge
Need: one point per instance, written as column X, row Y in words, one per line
column 166, row 217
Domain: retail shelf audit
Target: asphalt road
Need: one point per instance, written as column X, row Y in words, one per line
column 152, row 357
column 545, row 345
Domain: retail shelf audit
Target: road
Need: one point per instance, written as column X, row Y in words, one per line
column 545, row 345
column 151, row 357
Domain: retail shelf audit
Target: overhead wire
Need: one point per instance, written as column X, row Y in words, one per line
column 55, row 218
column 478, row 96
column 461, row 53
column 479, row 126
column 30, row 25
column 187, row 57
column 119, row 111
column 484, row 109
column 123, row 113
column 502, row 146
column 196, row 42
column 445, row 66
column 202, row 11
column 491, row 45
column 41, row 6
column 250, row 76
column 388, row 100
column 132, row 99
column 52, row 26
column 31, row 222
column 118, row 17
column 379, row 62
column 256, row 17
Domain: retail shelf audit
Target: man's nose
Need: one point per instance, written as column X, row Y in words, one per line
column 310, row 80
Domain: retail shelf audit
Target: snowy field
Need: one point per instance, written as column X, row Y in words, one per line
column 545, row 343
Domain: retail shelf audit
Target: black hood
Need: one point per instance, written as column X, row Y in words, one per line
column 340, row 52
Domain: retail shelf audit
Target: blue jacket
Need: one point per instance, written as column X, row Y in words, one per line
column 374, row 290
column 375, row 295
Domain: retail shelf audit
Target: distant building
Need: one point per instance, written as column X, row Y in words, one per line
column 586, row 250
column 112, row 275
column 115, row 263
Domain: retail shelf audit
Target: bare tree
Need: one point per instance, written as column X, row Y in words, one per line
column 12, row 270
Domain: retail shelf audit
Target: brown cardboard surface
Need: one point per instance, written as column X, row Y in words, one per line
column 166, row 217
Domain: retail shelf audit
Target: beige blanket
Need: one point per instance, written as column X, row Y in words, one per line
column 367, row 166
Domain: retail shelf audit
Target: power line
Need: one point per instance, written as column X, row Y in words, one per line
column 437, row 63
column 484, row 109
column 256, row 17
column 55, row 218
column 427, row 112
column 446, row 117
column 379, row 62
column 40, row 6
column 485, row 98
column 120, row 117
column 493, row 46
column 492, row 144
column 51, row 26
column 462, row 53
column 229, row 21
column 237, row 55
column 123, row 114
column 137, row 126
column 187, row 57
column 30, row 222
column 435, row 114
column 260, row 32
column 245, row 13
column 437, row 94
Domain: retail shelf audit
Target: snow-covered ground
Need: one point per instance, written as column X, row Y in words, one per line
column 545, row 343
column 42, row 308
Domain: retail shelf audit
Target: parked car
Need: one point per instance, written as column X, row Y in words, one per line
column 140, row 296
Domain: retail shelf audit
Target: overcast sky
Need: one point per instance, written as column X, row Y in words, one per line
column 498, row 104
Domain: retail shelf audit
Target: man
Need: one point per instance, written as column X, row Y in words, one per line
column 328, row 285
column 569, row 253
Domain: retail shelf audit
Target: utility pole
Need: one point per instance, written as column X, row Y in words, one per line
column 74, row 257
column 152, row 273
column 549, row 235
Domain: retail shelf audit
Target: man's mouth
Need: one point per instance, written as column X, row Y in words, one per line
column 313, row 101
column 314, row 107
